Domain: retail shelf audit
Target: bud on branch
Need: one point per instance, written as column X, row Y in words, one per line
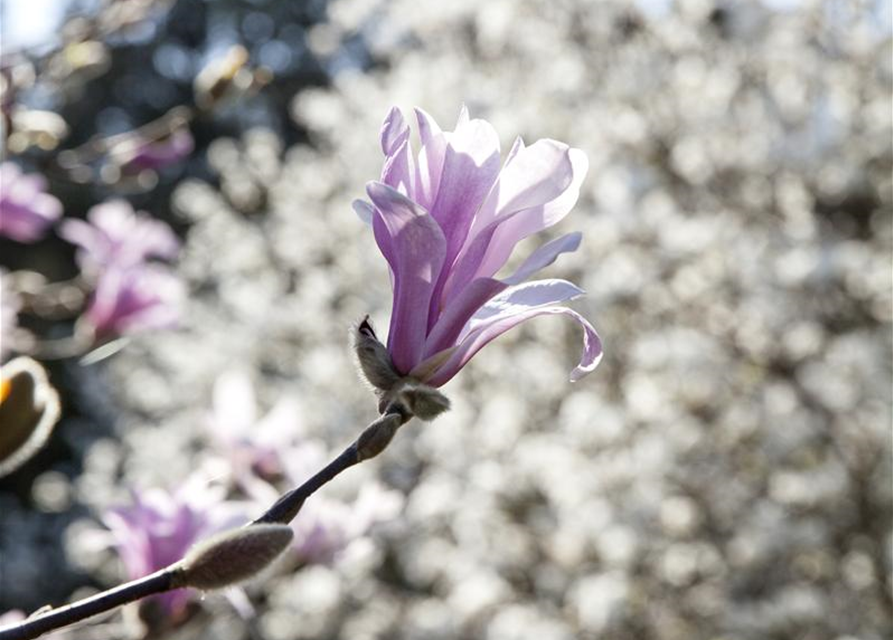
column 232, row 556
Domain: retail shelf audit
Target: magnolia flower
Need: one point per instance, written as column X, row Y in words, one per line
column 327, row 529
column 159, row 527
column 26, row 210
column 116, row 235
column 447, row 221
column 254, row 444
column 132, row 299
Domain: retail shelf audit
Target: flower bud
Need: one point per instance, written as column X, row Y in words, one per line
column 373, row 358
column 233, row 556
column 423, row 401
column 378, row 435
column 29, row 409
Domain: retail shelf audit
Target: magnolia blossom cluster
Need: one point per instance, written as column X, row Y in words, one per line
column 447, row 219
column 131, row 293
column 117, row 252
column 27, row 211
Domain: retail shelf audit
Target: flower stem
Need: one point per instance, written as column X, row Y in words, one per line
column 282, row 511
column 55, row 618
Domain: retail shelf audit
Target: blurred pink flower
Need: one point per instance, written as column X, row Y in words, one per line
column 326, row 529
column 115, row 235
column 132, row 299
column 448, row 219
column 159, row 527
column 253, row 444
column 26, row 210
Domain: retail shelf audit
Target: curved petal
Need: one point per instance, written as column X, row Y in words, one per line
column 517, row 146
column 394, row 131
column 429, row 164
column 93, row 242
column 476, row 340
column 466, row 265
column 398, row 171
column 364, row 210
column 521, row 298
column 545, row 255
column 530, row 221
column 459, row 312
column 470, row 167
column 428, row 127
column 463, row 116
column 416, row 260
column 532, row 177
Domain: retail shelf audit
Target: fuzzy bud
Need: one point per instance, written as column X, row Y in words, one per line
column 373, row 358
column 233, row 556
column 29, row 409
column 423, row 401
column 378, row 435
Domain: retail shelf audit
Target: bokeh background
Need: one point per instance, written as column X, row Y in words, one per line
column 724, row 474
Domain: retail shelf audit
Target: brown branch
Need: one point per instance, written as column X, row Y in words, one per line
column 370, row 443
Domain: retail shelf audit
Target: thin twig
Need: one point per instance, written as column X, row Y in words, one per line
column 36, row 626
column 282, row 511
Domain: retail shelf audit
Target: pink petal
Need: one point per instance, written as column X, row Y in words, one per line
column 470, row 167
column 544, row 256
column 428, row 127
column 429, row 165
column 394, row 131
column 416, row 260
column 459, row 312
column 535, row 219
column 364, row 210
column 534, row 176
column 462, row 120
column 517, row 147
column 521, row 298
column 398, row 171
column 476, row 340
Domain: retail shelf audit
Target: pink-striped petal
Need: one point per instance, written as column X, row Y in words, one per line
column 429, row 164
column 418, row 252
column 394, row 131
column 398, row 171
column 534, row 176
column 533, row 220
column 470, row 166
column 476, row 340
column 459, row 312
column 544, row 256
column 521, row 298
